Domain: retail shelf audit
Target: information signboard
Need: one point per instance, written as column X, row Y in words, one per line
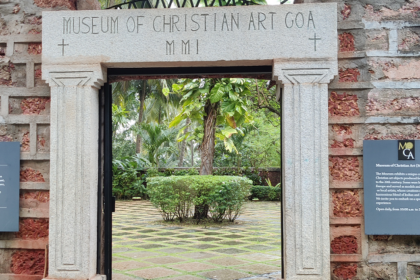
column 9, row 186
column 391, row 172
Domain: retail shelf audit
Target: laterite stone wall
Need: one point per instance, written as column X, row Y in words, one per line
column 25, row 118
column 376, row 96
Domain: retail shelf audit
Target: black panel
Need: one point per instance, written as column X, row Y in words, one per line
column 108, row 179
column 190, row 71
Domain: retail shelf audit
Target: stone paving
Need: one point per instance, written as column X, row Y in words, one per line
column 146, row 248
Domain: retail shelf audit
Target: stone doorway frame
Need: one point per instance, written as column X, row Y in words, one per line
column 74, row 162
column 74, row 146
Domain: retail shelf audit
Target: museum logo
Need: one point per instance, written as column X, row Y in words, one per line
column 406, row 150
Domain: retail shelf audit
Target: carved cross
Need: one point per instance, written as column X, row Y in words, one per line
column 315, row 39
column 63, row 45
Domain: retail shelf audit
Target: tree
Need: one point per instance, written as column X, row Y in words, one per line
column 183, row 145
column 132, row 95
column 266, row 97
column 220, row 106
column 259, row 146
column 154, row 137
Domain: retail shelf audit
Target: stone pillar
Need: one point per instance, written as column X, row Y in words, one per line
column 305, row 167
column 73, row 171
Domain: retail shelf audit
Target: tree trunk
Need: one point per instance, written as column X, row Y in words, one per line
column 207, row 145
column 142, row 96
column 201, row 211
column 183, row 145
column 192, row 153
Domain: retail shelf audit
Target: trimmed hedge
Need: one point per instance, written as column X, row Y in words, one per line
column 265, row 193
column 177, row 197
column 126, row 184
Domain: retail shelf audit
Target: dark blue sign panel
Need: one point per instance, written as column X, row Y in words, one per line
column 9, row 186
column 391, row 171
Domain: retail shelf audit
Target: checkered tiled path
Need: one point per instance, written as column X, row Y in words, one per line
column 146, row 248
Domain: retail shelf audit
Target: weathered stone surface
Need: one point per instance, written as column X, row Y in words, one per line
column 185, row 277
column 259, row 268
column 377, row 39
column 345, row 168
column 126, row 265
column 156, row 272
column 392, row 10
column 345, row 271
column 225, row 274
column 30, row 262
column 344, row 245
column 73, row 173
column 346, row 42
column 165, row 260
column 212, row 34
column 226, row 261
column 393, row 102
column 194, row 266
column 305, row 120
column 343, row 105
column 32, row 229
column 395, row 68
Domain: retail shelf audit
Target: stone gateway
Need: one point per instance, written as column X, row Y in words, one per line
column 300, row 42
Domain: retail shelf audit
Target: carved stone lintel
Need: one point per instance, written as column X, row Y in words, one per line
column 305, row 167
column 73, row 172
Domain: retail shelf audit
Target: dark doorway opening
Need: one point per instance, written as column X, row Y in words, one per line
column 106, row 202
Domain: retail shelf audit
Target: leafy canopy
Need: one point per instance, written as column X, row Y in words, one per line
column 232, row 113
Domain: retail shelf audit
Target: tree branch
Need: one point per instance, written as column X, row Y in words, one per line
column 271, row 109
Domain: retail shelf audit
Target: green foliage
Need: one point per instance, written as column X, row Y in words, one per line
column 192, row 171
column 232, row 113
column 265, row 193
column 152, row 172
column 123, row 148
column 126, row 183
column 175, row 196
column 154, row 139
column 169, row 172
column 227, row 200
column 251, row 174
column 270, row 185
column 259, row 146
column 183, row 172
column 227, row 172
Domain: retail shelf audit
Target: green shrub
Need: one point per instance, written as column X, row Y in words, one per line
column 265, row 193
column 183, row 172
column 227, row 172
column 169, row 171
column 192, row 171
column 252, row 174
column 126, row 184
column 227, row 200
column 177, row 196
column 152, row 172
column 180, row 172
